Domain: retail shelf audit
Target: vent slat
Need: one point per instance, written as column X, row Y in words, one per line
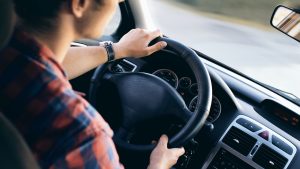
column 241, row 137
column 273, row 156
column 239, row 140
column 269, row 158
column 225, row 159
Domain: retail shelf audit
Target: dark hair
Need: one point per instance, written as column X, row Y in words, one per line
column 39, row 14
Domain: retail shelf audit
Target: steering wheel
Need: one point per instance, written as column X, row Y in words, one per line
column 144, row 97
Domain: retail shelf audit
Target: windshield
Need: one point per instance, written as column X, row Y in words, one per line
column 236, row 33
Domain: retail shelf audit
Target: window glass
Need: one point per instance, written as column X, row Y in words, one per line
column 114, row 23
column 237, row 33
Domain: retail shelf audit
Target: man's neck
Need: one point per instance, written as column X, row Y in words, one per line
column 58, row 40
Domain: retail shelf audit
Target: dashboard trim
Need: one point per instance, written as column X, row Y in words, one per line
column 260, row 141
column 132, row 64
column 76, row 44
column 252, row 84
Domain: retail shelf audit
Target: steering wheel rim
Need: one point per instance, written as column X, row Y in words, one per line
column 197, row 119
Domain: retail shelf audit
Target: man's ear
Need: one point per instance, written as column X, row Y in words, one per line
column 78, row 7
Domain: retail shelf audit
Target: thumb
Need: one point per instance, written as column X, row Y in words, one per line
column 179, row 151
column 156, row 47
column 163, row 141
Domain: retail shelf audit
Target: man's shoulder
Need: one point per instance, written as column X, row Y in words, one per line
column 17, row 63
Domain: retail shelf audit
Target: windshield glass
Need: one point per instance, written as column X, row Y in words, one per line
column 237, row 33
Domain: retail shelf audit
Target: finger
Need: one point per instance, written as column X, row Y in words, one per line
column 163, row 141
column 156, row 47
column 155, row 34
column 178, row 151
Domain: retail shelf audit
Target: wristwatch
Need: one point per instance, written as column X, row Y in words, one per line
column 108, row 45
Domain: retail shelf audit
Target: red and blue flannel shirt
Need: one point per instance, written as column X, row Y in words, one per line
column 61, row 128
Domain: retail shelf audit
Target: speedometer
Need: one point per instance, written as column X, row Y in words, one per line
column 185, row 82
column 215, row 109
column 167, row 75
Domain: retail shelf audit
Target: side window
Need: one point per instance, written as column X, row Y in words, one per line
column 114, row 23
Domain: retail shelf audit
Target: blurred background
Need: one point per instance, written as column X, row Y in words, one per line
column 237, row 33
column 254, row 10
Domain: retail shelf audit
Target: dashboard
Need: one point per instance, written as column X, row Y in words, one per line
column 229, row 140
column 238, row 145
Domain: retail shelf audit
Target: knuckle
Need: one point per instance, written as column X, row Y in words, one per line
column 161, row 45
column 138, row 30
column 158, row 46
column 143, row 31
column 147, row 35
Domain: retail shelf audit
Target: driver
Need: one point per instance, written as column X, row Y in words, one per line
column 61, row 128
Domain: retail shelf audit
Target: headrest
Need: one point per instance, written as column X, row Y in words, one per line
column 14, row 151
column 7, row 20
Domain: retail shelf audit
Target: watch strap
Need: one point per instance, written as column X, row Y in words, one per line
column 108, row 45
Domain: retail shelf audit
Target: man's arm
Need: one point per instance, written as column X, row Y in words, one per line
column 80, row 60
column 135, row 43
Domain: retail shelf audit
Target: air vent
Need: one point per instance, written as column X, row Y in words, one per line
column 225, row 159
column 127, row 66
column 239, row 140
column 268, row 158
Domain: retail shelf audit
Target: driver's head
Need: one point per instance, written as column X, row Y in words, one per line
column 88, row 18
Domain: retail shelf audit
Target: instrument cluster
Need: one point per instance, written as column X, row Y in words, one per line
column 188, row 89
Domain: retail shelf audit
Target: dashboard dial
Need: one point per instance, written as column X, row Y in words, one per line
column 194, row 89
column 167, row 75
column 185, row 82
column 215, row 109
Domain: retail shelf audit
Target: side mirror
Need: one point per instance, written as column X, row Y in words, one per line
column 287, row 21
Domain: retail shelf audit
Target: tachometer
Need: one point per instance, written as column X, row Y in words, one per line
column 185, row 82
column 167, row 75
column 194, row 89
column 215, row 109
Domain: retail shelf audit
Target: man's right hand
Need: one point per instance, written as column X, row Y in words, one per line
column 162, row 157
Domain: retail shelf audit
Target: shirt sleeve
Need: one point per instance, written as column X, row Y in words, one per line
column 95, row 152
column 69, row 133
column 87, row 139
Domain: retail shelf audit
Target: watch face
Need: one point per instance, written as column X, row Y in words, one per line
column 105, row 43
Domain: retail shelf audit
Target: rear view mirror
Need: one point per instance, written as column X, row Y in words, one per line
column 287, row 21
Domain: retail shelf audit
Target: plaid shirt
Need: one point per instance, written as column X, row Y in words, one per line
column 61, row 128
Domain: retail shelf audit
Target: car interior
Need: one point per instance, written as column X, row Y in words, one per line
column 14, row 151
column 223, row 118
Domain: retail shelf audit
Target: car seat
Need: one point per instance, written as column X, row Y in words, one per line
column 14, row 153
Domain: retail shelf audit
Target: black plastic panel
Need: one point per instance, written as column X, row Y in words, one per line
column 239, row 140
column 226, row 160
column 250, row 126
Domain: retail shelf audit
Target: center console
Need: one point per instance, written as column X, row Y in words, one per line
column 248, row 144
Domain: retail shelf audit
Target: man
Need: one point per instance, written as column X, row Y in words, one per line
column 61, row 128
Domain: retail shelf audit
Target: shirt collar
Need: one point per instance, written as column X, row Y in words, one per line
column 25, row 43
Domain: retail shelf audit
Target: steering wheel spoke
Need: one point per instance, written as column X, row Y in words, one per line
column 186, row 115
column 123, row 133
